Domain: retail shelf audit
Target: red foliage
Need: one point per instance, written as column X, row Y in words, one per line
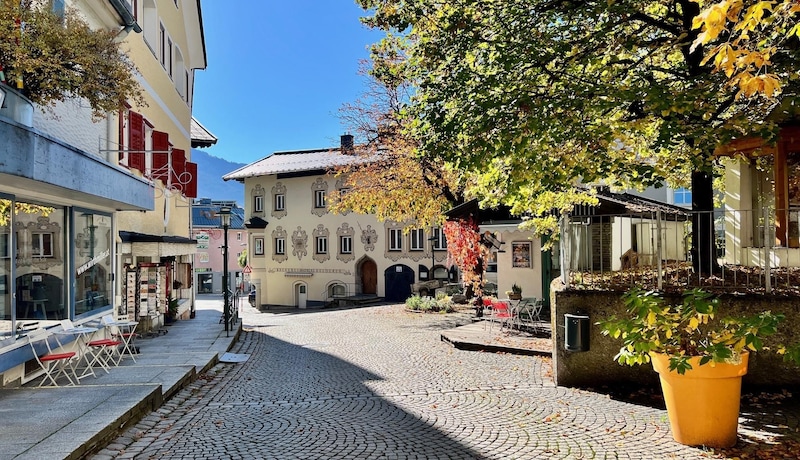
column 466, row 251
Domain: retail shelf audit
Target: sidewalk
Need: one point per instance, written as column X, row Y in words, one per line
column 68, row 422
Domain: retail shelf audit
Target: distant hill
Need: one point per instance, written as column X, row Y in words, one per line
column 210, row 170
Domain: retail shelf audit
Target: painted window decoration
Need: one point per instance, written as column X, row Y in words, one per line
column 278, row 200
column 319, row 194
column 279, row 236
column 345, row 233
column 321, row 235
column 521, row 254
column 258, row 244
column 258, row 193
column 299, row 243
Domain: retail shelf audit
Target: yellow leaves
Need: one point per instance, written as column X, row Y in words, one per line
column 651, row 318
column 754, row 36
column 693, row 324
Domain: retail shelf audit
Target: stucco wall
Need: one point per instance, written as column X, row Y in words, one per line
column 597, row 366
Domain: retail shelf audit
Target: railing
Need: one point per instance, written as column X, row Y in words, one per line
column 756, row 251
column 348, row 290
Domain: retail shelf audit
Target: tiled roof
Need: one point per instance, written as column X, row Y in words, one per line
column 201, row 137
column 207, row 215
column 294, row 161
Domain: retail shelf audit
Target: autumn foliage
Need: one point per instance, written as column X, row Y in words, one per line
column 50, row 58
column 466, row 251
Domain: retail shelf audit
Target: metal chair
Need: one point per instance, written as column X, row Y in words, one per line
column 54, row 365
column 530, row 313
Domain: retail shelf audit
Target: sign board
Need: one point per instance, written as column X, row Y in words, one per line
column 202, row 240
column 247, row 269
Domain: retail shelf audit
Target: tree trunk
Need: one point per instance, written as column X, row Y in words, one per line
column 704, row 247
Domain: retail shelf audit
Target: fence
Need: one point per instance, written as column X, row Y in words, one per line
column 756, row 250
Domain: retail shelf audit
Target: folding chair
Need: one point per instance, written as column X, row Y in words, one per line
column 530, row 313
column 54, row 365
column 122, row 332
column 500, row 314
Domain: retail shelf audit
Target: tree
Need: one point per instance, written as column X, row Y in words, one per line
column 50, row 58
column 242, row 260
column 756, row 33
column 389, row 177
column 534, row 97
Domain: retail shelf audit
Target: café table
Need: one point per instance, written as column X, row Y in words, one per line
column 81, row 335
column 126, row 333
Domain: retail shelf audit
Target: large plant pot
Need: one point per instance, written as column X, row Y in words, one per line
column 703, row 403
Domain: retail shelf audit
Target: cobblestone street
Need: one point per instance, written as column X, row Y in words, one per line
column 377, row 382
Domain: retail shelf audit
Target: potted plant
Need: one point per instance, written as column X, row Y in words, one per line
column 515, row 293
column 172, row 310
column 700, row 359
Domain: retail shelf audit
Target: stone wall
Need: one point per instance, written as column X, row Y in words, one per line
column 597, row 367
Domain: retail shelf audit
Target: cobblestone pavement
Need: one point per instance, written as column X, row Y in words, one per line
column 377, row 382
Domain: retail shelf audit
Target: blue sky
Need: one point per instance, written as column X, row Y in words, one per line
column 278, row 72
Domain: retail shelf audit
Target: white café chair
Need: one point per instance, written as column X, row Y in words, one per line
column 54, row 365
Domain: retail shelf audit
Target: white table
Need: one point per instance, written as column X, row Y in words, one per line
column 81, row 339
column 127, row 330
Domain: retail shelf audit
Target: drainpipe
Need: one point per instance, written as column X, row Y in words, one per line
column 128, row 19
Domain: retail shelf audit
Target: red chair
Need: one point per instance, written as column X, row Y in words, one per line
column 54, row 365
column 500, row 314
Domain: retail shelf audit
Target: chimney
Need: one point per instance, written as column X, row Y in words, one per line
column 347, row 143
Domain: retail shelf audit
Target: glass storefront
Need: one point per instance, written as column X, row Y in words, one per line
column 40, row 262
column 92, row 261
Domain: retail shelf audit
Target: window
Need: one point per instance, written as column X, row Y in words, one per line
column 336, row 290
column 280, row 202
column 439, row 242
column 42, row 245
column 682, row 196
column 58, row 8
column 4, row 238
column 395, row 239
column 417, row 240
column 322, row 245
column 169, row 57
column 346, row 244
column 150, row 26
column 319, row 198
column 258, row 203
column 162, row 44
column 259, row 246
column 280, row 246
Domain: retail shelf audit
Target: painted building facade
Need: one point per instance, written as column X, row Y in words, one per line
column 209, row 262
column 303, row 255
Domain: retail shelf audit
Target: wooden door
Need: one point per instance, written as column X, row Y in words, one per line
column 369, row 277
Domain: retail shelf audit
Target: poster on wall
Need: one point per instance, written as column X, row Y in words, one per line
column 521, row 255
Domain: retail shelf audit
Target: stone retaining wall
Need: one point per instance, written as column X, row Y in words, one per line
column 597, row 367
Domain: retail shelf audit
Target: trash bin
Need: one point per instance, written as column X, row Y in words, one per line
column 576, row 337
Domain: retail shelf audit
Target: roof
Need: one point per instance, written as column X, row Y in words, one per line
column 206, row 214
column 295, row 161
column 135, row 237
column 201, row 137
column 637, row 204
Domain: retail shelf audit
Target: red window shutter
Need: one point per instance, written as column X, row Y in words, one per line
column 190, row 189
column 178, row 168
column 136, row 141
column 161, row 156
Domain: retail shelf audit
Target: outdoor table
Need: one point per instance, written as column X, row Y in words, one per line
column 126, row 333
column 81, row 335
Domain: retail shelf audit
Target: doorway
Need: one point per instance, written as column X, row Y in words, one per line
column 369, row 277
column 301, row 295
column 399, row 279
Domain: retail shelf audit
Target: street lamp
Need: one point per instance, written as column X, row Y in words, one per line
column 433, row 240
column 225, row 218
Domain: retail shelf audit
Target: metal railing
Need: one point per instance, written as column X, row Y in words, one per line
column 755, row 251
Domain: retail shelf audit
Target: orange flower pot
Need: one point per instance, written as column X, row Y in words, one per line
column 703, row 403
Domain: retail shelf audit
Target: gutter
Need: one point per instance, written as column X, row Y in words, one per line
column 128, row 20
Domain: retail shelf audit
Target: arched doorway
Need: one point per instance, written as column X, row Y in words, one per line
column 399, row 279
column 301, row 295
column 369, row 276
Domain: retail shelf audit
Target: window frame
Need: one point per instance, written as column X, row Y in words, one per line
column 439, row 239
column 320, row 199
column 280, row 202
column 258, row 203
column 258, row 246
column 395, row 239
column 40, row 236
column 345, row 244
column 321, row 245
column 416, row 240
column 280, row 246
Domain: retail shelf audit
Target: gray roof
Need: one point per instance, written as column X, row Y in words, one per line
column 295, row 161
column 201, row 137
